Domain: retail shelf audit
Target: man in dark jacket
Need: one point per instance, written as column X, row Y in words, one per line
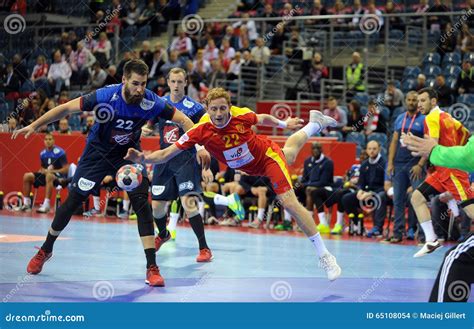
column 370, row 195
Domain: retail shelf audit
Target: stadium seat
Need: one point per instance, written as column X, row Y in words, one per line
column 431, row 70
column 451, row 71
column 408, row 84
column 452, row 59
column 379, row 137
column 411, row 72
column 432, row 59
column 336, row 134
column 357, row 138
column 451, row 82
column 384, row 112
column 362, row 98
column 466, row 99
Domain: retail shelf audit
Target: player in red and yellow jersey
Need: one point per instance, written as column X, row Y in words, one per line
column 226, row 132
column 447, row 131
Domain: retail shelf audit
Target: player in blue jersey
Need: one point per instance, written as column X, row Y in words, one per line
column 53, row 166
column 121, row 110
column 181, row 176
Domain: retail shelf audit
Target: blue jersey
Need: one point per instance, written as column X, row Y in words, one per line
column 169, row 131
column 405, row 124
column 118, row 124
column 55, row 157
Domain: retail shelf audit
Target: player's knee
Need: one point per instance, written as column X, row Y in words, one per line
column 158, row 210
column 469, row 210
column 417, row 199
column 50, row 177
column 28, row 176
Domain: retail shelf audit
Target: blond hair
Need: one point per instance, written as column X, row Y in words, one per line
column 177, row 70
column 216, row 93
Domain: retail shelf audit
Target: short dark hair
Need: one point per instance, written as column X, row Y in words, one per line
column 135, row 66
column 332, row 98
column 431, row 92
column 318, row 146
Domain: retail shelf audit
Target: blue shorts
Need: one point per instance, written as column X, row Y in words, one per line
column 93, row 167
column 178, row 177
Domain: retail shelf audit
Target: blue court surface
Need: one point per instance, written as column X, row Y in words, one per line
column 103, row 260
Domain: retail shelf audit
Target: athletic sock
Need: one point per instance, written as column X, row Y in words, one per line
column 126, row 205
column 26, row 201
column 150, row 255
column 96, row 200
column 198, row 227
column 322, row 218
column 201, row 208
column 46, row 202
column 221, row 200
column 161, row 225
column 319, row 244
column 427, row 227
column 287, row 217
column 48, row 244
column 173, row 221
column 260, row 214
column 311, row 129
column 340, row 218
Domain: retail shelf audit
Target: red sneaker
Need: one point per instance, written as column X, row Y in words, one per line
column 205, row 255
column 153, row 277
column 36, row 263
column 159, row 241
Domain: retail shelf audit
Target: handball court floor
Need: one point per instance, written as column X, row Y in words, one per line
column 103, row 260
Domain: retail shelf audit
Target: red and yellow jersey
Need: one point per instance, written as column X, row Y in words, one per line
column 235, row 144
column 448, row 131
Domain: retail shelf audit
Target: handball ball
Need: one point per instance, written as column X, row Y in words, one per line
column 129, row 177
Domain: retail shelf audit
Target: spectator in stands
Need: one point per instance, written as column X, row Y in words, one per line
column 373, row 121
column 85, row 60
column 182, row 44
column 308, row 165
column 268, row 13
column 89, row 123
column 150, row 16
column 260, row 53
column 64, row 128
column 296, row 41
column 42, row 98
column 72, row 39
column 145, row 53
column 445, row 94
column 470, row 18
column 173, row 61
column 112, row 77
column 11, row 84
column 201, row 66
column 161, row 88
column 339, row 23
column 102, row 50
column 19, row 68
column 371, row 190
column 289, row 11
column 245, row 45
column 355, row 120
column 235, row 67
column 317, row 72
column 256, row 186
column 355, row 75
column 466, row 39
column 420, row 82
column 89, row 41
column 70, row 57
column 27, row 114
column 393, row 97
column 448, row 41
column 229, row 35
column 421, row 8
column 12, row 124
column 318, row 9
column 162, row 50
column 132, row 13
column 374, row 12
column 53, row 166
column 63, row 97
column 319, row 186
column 115, row 12
column 64, row 40
column 59, row 74
column 395, row 22
column 250, row 25
column 278, row 38
column 98, row 76
column 215, row 74
column 405, row 169
column 229, row 52
column 156, row 64
column 336, row 113
column 357, row 9
column 465, row 80
column 437, row 23
column 40, row 71
column 246, row 5
column 127, row 55
column 210, row 51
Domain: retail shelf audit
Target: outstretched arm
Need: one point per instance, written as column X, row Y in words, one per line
column 271, row 121
column 53, row 115
column 157, row 157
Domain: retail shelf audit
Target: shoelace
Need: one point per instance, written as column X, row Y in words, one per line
column 154, row 269
column 41, row 255
column 326, row 262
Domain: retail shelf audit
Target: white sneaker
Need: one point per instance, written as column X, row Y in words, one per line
column 43, row 209
column 329, row 264
column 323, row 120
column 428, row 248
column 229, row 222
column 255, row 224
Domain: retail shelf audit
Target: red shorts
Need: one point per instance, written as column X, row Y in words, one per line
column 276, row 169
column 455, row 182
